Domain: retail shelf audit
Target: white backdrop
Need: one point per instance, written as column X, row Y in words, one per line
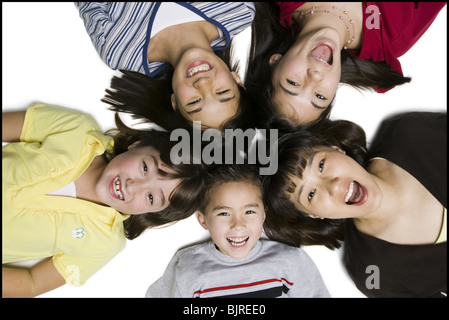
column 48, row 57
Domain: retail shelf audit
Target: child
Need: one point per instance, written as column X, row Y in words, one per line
column 388, row 203
column 236, row 263
column 74, row 194
column 312, row 47
column 180, row 39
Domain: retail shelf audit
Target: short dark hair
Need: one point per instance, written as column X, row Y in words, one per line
column 185, row 197
column 223, row 173
column 284, row 222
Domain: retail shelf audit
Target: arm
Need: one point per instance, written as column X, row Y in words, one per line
column 12, row 123
column 166, row 286
column 31, row 282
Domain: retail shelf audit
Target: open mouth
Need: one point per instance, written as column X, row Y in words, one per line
column 356, row 194
column 117, row 187
column 198, row 67
column 237, row 242
column 323, row 53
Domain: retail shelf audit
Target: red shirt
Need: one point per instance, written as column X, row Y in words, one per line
column 400, row 25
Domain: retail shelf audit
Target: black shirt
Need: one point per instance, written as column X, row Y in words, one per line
column 417, row 142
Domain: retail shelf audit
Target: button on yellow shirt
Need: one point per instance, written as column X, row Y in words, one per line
column 57, row 146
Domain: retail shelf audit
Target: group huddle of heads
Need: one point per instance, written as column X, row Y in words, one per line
column 263, row 100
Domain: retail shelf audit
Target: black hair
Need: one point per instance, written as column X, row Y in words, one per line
column 185, row 197
column 269, row 37
column 224, row 173
column 284, row 222
column 149, row 98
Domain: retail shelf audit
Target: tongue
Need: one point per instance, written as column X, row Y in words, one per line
column 357, row 194
column 322, row 52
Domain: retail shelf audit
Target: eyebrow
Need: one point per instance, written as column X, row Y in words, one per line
column 195, row 111
column 162, row 198
column 226, row 99
column 296, row 94
column 162, row 195
column 221, row 101
column 226, row 207
column 309, row 164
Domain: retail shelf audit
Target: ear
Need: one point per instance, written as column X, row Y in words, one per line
column 338, row 149
column 201, row 219
column 237, row 78
column 133, row 145
column 275, row 58
column 173, row 101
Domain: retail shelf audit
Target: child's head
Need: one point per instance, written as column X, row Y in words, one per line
column 232, row 208
column 174, row 100
column 169, row 192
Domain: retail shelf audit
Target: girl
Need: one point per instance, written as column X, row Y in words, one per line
column 392, row 207
column 74, row 194
column 179, row 38
column 326, row 43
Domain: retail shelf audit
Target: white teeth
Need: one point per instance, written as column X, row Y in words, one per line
column 117, row 191
column 319, row 59
column 349, row 194
column 201, row 67
column 238, row 241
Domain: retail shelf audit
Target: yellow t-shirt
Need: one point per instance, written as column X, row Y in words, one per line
column 56, row 146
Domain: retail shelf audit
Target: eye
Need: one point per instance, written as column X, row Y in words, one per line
column 145, row 168
column 194, row 102
column 321, row 165
column 320, row 96
column 292, row 83
column 223, row 92
column 150, row 196
column 224, row 213
column 311, row 194
column 250, row 211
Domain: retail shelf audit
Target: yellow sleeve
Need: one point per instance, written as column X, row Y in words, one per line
column 42, row 121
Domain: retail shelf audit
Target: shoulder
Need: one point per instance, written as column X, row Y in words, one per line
column 410, row 127
column 60, row 115
column 279, row 249
column 193, row 252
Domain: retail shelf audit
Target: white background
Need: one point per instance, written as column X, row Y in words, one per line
column 48, row 57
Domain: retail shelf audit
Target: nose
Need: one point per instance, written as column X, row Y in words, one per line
column 203, row 83
column 136, row 185
column 314, row 74
column 332, row 185
column 237, row 223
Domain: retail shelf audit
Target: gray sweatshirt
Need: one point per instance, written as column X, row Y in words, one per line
column 271, row 269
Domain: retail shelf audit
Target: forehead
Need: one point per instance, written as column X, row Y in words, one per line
column 235, row 187
column 234, row 195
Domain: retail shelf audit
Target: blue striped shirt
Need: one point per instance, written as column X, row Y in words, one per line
column 120, row 31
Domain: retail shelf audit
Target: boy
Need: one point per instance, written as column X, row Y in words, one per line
column 237, row 263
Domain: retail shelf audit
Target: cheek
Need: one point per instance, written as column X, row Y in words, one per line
column 134, row 208
column 121, row 162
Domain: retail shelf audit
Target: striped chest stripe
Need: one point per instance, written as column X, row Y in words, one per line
column 264, row 288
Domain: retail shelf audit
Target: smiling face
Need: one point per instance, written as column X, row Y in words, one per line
column 205, row 89
column 131, row 184
column 335, row 186
column 234, row 217
column 305, row 79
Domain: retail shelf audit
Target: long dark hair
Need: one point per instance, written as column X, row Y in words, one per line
column 185, row 197
column 284, row 222
column 269, row 37
column 148, row 98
